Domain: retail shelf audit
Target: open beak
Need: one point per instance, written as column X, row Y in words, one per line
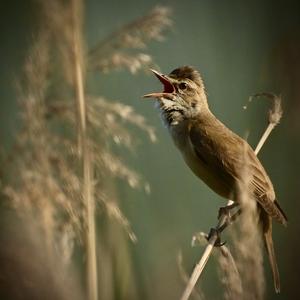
column 168, row 87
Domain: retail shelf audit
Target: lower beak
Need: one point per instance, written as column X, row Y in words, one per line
column 168, row 87
column 155, row 95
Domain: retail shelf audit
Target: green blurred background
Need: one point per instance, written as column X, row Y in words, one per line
column 240, row 48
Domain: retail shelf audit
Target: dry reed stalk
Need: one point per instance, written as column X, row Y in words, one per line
column 198, row 294
column 87, row 159
column 274, row 118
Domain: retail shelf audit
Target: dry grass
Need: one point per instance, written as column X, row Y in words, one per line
column 229, row 274
column 122, row 49
column 247, row 241
column 63, row 153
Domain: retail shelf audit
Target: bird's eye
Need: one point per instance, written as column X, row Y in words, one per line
column 182, row 85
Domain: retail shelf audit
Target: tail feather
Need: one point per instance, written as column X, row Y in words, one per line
column 283, row 216
column 267, row 232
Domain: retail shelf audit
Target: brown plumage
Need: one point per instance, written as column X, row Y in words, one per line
column 213, row 152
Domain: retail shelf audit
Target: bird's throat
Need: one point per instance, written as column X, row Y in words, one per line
column 172, row 113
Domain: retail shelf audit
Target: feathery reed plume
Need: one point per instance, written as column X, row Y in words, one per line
column 275, row 115
column 28, row 272
column 119, row 50
column 63, row 154
column 229, row 274
column 247, row 240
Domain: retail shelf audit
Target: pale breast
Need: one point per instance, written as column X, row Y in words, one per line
column 199, row 167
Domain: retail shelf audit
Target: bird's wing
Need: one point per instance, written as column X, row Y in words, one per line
column 232, row 159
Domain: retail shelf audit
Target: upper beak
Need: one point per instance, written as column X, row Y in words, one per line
column 167, row 83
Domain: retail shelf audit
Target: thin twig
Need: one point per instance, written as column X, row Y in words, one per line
column 264, row 138
column 184, row 275
column 204, row 259
column 275, row 115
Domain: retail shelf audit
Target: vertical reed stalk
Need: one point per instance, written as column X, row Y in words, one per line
column 86, row 156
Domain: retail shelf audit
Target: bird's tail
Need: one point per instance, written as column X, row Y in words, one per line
column 267, row 232
column 283, row 218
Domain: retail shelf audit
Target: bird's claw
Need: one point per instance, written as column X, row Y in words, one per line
column 212, row 232
column 224, row 211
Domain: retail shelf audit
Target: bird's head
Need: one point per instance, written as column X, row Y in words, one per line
column 183, row 95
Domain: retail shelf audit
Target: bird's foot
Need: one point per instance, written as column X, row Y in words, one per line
column 226, row 210
column 217, row 232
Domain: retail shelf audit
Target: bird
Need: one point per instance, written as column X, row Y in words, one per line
column 213, row 152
